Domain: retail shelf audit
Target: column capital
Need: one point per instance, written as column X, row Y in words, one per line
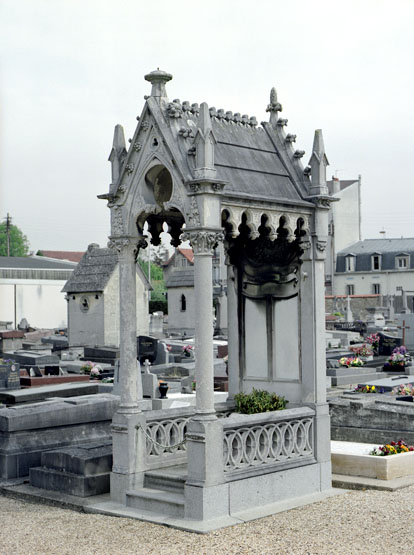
column 124, row 243
column 203, row 240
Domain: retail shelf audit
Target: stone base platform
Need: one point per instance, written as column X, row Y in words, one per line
column 101, row 504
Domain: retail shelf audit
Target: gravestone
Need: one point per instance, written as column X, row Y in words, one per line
column 149, row 382
column 10, row 376
column 156, row 324
column 406, row 328
column 387, row 343
column 146, row 348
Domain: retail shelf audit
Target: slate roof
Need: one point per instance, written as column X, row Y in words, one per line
column 72, row 256
column 34, row 263
column 387, row 248
column 249, row 160
column 181, row 278
column 93, row 271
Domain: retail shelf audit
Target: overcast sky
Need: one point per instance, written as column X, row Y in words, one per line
column 72, row 69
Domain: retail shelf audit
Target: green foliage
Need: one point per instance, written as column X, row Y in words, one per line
column 158, row 292
column 19, row 245
column 259, row 401
column 339, row 314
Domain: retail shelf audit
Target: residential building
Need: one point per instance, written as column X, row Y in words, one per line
column 344, row 222
column 382, row 267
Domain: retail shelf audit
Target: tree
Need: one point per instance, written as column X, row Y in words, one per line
column 12, row 240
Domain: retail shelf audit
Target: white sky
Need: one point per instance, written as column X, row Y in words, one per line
column 72, row 69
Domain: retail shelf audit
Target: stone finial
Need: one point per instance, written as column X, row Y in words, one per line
column 204, row 142
column 158, row 79
column 118, row 152
column 318, row 162
column 274, row 107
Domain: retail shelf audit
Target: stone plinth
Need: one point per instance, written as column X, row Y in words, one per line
column 353, row 459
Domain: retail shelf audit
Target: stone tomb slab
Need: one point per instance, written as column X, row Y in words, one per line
column 32, row 358
column 387, row 384
column 35, row 394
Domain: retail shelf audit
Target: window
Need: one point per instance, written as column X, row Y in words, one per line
column 350, row 290
column 376, row 288
column 183, row 303
column 350, row 263
column 402, row 262
column 376, row 262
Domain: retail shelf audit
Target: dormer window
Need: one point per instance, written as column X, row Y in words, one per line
column 402, row 261
column 350, row 263
column 376, row 262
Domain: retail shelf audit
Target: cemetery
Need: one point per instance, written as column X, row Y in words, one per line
column 125, row 415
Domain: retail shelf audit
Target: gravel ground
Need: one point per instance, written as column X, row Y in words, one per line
column 355, row 522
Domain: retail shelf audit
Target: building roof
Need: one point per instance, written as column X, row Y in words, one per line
column 94, row 271
column 181, row 277
column 253, row 161
column 34, row 263
column 387, row 248
column 187, row 253
column 72, row 256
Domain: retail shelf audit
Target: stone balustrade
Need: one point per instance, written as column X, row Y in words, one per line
column 276, row 439
column 165, row 435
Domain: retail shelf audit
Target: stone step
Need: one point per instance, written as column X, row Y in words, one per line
column 165, row 482
column 157, row 501
column 88, row 459
column 71, row 484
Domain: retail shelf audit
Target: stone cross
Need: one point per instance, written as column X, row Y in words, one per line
column 403, row 328
column 147, row 365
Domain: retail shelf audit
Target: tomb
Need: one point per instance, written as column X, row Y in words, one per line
column 216, row 177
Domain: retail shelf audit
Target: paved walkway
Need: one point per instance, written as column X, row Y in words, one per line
column 356, row 522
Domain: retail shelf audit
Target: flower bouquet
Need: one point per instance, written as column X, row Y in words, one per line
column 367, row 389
column 351, row 361
column 363, row 350
column 399, row 358
column 373, row 340
column 403, row 389
column 393, row 448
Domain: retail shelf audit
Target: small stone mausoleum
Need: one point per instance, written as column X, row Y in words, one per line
column 92, row 295
column 216, row 176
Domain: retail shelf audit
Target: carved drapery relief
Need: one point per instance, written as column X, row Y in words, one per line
column 203, row 241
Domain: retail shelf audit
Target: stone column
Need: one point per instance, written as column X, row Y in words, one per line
column 233, row 332
column 127, row 432
column 205, row 492
column 203, row 242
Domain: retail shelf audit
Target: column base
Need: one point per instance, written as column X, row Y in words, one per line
column 205, row 452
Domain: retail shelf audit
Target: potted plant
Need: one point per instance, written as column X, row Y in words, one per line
column 374, row 340
column 351, row 361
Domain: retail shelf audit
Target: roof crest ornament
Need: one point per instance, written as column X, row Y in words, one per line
column 274, row 107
